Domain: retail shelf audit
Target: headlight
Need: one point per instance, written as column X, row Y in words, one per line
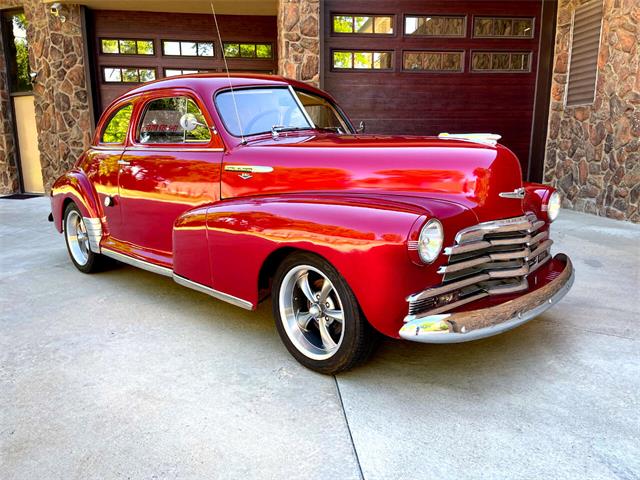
column 553, row 206
column 430, row 241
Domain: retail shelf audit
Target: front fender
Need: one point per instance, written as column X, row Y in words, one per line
column 74, row 186
column 363, row 238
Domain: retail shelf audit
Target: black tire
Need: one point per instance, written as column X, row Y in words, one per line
column 359, row 339
column 94, row 262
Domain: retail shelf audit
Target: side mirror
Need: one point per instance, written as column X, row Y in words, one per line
column 189, row 122
column 362, row 127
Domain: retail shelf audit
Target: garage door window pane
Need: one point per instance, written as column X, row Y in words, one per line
column 433, row 61
column 188, row 49
column 342, row 60
column 497, row 27
column 435, row 26
column 145, row 47
column 363, row 60
column 112, row 75
column 342, row 24
column 128, row 47
column 116, row 129
column 382, row 60
column 109, row 46
column 147, row 74
column 130, row 75
column 384, row 25
column 363, row 25
column 231, row 50
column 205, row 49
column 506, row 62
column 171, row 48
column 263, row 51
column 247, row 50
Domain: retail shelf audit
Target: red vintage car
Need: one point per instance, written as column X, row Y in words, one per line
column 256, row 186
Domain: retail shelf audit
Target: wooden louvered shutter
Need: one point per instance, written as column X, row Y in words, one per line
column 583, row 68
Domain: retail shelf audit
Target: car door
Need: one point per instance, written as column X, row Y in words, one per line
column 102, row 164
column 166, row 171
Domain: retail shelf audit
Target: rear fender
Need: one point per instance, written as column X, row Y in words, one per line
column 74, row 186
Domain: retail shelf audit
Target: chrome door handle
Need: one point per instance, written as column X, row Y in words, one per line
column 248, row 168
column 123, row 162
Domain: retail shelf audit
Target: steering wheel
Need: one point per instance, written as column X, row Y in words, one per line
column 257, row 118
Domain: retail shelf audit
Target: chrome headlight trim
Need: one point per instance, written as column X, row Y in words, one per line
column 430, row 241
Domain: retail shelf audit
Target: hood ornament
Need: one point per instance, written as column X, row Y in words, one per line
column 517, row 193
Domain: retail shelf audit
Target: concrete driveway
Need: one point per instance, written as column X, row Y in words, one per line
column 126, row 374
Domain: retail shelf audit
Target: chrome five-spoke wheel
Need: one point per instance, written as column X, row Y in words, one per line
column 311, row 312
column 317, row 315
column 77, row 238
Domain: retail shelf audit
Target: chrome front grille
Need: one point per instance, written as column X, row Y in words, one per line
column 491, row 258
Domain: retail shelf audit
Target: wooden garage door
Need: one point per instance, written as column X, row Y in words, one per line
column 421, row 68
column 133, row 47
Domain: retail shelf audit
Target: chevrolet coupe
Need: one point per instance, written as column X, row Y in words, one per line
column 253, row 186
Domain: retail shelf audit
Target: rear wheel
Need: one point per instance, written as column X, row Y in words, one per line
column 77, row 239
column 318, row 317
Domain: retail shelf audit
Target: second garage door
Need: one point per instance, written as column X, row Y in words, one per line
column 422, row 68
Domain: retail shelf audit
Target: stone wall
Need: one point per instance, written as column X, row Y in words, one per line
column 299, row 40
column 62, row 107
column 63, row 110
column 8, row 166
column 593, row 152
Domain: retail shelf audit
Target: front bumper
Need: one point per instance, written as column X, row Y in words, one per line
column 471, row 325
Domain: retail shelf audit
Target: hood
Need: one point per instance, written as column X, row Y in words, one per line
column 468, row 173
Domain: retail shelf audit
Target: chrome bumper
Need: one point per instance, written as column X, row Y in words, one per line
column 473, row 325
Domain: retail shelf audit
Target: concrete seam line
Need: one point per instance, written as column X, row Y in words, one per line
column 346, row 421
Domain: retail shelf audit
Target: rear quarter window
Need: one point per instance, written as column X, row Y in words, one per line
column 117, row 126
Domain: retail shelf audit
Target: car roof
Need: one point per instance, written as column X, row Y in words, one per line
column 217, row 81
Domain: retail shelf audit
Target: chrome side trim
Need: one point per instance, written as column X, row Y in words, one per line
column 518, row 193
column 94, row 232
column 186, row 147
column 248, row 168
column 134, row 262
column 225, row 297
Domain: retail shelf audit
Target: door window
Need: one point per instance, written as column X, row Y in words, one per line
column 161, row 122
column 117, row 128
column 323, row 114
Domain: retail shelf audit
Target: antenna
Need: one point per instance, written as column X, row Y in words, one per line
column 226, row 68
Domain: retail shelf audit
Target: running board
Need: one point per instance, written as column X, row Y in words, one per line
column 134, row 262
column 225, row 297
column 167, row 272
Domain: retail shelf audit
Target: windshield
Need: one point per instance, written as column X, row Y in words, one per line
column 323, row 114
column 260, row 109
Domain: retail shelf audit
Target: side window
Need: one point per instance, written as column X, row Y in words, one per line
column 161, row 122
column 116, row 129
column 323, row 114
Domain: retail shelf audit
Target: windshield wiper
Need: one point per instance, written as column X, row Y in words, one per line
column 277, row 129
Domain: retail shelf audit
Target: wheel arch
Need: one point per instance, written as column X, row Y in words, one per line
column 74, row 186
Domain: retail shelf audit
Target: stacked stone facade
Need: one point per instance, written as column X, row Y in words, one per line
column 593, row 152
column 299, row 40
column 62, row 105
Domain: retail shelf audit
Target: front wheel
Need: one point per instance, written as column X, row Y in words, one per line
column 318, row 317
